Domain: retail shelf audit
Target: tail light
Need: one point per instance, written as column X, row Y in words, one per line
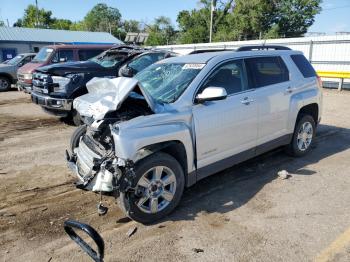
column 319, row 82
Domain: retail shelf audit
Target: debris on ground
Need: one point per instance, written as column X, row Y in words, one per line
column 131, row 231
column 197, row 250
column 161, row 226
column 283, row 174
column 6, row 214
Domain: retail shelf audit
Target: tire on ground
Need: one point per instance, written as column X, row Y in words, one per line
column 75, row 138
column 127, row 201
column 293, row 149
column 5, row 83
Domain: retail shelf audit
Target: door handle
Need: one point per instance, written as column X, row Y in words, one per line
column 289, row 90
column 247, row 101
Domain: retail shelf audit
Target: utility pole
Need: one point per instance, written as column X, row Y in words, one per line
column 37, row 13
column 212, row 7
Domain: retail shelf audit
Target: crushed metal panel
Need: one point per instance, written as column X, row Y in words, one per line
column 104, row 95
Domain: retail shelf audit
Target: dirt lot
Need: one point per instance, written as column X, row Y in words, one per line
column 245, row 213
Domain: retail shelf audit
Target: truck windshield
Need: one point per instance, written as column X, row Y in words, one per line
column 166, row 82
column 43, row 55
column 15, row 60
column 109, row 59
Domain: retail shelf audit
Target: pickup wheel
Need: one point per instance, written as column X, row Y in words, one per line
column 75, row 138
column 76, row 118
column 303, row 136
column 159, row 185
column 5, row 84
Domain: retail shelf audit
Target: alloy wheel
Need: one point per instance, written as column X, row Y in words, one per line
column 157, row 188
column 305, row 135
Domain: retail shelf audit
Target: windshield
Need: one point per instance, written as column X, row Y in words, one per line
column 166, row 82
column 109, row 59
column 15, row 60
column 43, row 55
column 143, row 61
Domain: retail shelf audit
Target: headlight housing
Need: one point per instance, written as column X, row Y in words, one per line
column 60, row 83
column 27, row 76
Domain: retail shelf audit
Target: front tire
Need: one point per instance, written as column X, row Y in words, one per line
column 76, row 118
column 5, row 84
column 159, row 186
column 75, row 138
column 303, row 137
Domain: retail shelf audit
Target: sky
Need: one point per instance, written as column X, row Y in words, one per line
column 333, row 18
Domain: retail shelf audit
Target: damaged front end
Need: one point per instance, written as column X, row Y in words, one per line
column 109, row 102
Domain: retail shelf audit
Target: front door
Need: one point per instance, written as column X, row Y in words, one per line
column 225, row 130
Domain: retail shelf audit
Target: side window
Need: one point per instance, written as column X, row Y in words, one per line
column 303, row 65
column 266, row 71
column 230, row 76
column 85, row 54
column 27, row 59
column 66, row 55
column 143, row 61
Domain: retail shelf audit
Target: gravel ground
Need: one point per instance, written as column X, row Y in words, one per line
column 246, row 213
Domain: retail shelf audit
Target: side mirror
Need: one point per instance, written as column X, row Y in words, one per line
column 211, row 94
column 20, row 64
column 127, row 72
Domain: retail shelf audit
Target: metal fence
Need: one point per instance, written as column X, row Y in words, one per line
column 330, row 55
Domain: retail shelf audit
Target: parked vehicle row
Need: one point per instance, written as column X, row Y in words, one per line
column 181, row 119
column 57, row 85
column 55, row 54
column 152, row 122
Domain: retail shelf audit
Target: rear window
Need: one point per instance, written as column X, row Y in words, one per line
column 86, row 54
column 303, row 65
column 266, row 71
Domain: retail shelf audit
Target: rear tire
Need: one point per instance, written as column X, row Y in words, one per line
column 157, row 175
column 75, row 138
column 303, row 136
column 5, row 84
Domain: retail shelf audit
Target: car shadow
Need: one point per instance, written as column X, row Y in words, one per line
column 234, row 187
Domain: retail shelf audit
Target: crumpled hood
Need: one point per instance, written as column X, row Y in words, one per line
column 106, row 95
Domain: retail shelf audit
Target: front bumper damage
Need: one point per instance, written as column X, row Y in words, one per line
column 93, row 175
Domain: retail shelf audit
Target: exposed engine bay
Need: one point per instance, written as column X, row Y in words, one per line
column 109, row 102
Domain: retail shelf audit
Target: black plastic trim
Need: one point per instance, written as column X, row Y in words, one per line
column 69, row 227
column 211, row 169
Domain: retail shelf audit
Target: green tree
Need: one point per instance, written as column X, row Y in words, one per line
column 293, row 17
column 33, row 18
column 63, row 24
column 2, row 23
column 102, row 18
column 161, row 32
column 247, row 19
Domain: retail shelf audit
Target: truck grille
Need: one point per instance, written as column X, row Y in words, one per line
column 42, row 83
column 85, row 159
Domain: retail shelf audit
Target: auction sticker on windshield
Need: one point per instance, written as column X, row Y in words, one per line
column 193, row 66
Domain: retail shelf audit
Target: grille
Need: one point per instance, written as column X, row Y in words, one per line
column 41, row 83
column 85, row 159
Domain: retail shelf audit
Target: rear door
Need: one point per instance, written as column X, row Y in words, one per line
column 270, row 77
column 226, row 130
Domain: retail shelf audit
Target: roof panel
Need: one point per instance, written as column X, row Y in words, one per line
column 55, row 36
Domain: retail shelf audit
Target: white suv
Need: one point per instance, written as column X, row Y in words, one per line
column 185, row 118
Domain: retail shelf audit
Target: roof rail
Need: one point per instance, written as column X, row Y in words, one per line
column 200, row 51
column 261, row 47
